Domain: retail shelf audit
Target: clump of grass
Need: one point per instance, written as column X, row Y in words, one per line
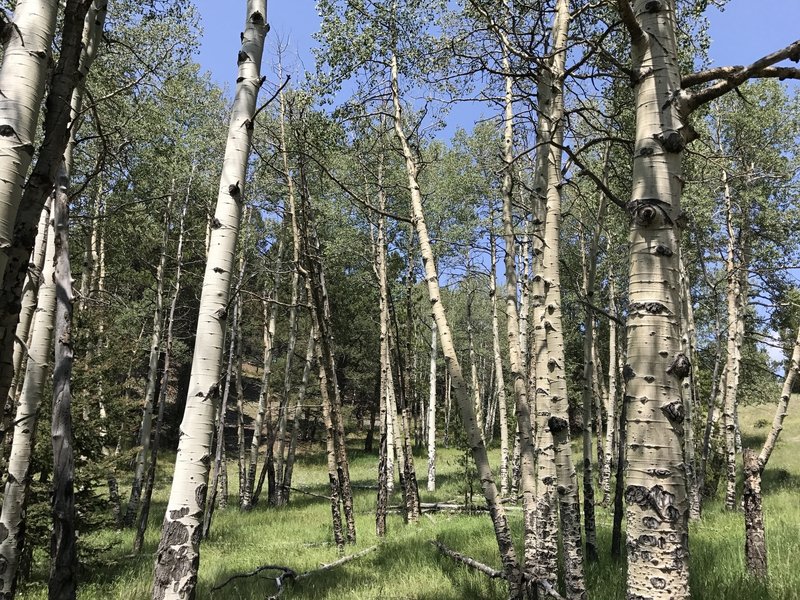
column 406, row 566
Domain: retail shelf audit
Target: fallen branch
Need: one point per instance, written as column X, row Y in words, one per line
column 307, row 493
column 290, row 574
column 542, row 584
column 431, row 507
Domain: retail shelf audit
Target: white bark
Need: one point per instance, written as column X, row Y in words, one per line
column 178, row 553
column 23, row 72
column 432, row 412
column 16, row 488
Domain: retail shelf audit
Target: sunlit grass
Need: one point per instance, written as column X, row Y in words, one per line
column 407, row 566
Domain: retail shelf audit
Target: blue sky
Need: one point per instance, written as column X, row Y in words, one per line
column 747, row 29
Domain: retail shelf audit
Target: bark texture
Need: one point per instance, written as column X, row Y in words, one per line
column 178, row 554
column 655, row 492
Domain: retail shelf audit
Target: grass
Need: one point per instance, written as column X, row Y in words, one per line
column 406, row 566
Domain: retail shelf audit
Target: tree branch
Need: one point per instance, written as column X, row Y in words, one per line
column 733, row 77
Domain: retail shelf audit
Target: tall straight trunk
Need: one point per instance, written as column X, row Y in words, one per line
column 498, row 357
column 735, row 332
column 144, row 513
column 286, row 478
column 23, row 74
column 330, row 434
column 475, row 386
column 240, row 445
column 269, row 312
column 145, row 430
column 432, row 412
column 524, row 435
column 656, row 496
column 551, row 367
column 12, row 518
column 26, row 58
column 178, row 554
column 287, row 372
column 63, row 549
column 589, row 277
column 689, row 386
column 321, row 312
column 611, row 394
column 385, row 458
column 471, row 428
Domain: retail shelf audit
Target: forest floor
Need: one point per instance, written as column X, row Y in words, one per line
column 406, row 565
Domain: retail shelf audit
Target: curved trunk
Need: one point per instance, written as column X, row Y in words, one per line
column 178, row 555
column 432, row 414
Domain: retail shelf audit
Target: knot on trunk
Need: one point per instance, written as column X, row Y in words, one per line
column 645, row 212
column 652, row 308
column 557, row 424
column 242, row 57
column 628, row 372
column 654, row 6
column 672, row 141
column 680, row 367
column 674, row 411
column 662, row 250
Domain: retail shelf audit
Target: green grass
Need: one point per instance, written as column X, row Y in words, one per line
column 406, row 566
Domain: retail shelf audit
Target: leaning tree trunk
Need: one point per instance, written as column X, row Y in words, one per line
column 178, row 555
column 755, row 545
column 656, row 496
column 473, row 431
column 63, row 550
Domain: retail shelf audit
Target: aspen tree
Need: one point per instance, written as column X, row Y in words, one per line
column 145, row 430
column 466, row 406
column 498, row 366
column 144, row 512
column 432, row 415
column 19, row 464
column 178, row 552
column 63, row 550
column 23, row 74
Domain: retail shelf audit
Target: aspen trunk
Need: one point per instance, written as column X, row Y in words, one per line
column 589, row 366
column 524, row 435
column 286, row 479
column 269, row 326
column 432, row 413
column 292, row 341
column 611, row 395
column 145, row 430
column 735, row 334
column 15, row 497
column 23, row 75
column 178, row 552
column 319, row 295
column 473, row 431
column 63, row 550
column 657, row 505
column 498, row 357
column 144, row 513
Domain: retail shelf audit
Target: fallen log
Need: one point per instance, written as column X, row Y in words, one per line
column 543, row 585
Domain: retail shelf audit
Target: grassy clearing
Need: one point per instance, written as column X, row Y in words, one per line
column 406, row 566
